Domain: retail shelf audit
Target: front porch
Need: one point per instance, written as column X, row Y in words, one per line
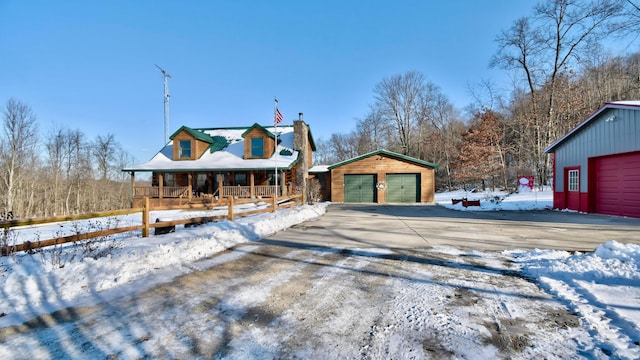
column 205, row 188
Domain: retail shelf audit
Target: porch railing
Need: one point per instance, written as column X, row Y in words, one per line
column 236, row 191
column 147, row 191
column 175, row 191
column 264, row 190
column 225, row 191
column 167, row 191
column 245, row 191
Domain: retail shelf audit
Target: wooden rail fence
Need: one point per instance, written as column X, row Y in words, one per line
column 282, row 202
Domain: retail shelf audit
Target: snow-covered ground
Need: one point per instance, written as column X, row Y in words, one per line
column 55, row 278
column 498, row 200
column 602, row 287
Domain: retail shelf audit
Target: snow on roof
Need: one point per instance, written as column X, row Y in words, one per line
column 319, row 168
column 626, row 102
column 229, row 158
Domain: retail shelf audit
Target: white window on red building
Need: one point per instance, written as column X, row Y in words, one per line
column 574, row 183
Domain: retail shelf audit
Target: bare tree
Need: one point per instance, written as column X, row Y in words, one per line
column 402, row 99
column 344, row 146
column 324, row 153
column 629, row 25
column 441, row 136
column 373, row 131
column 124, row 159
column 62, row 180
column 55, row 146
column 337, row 148
column 543, row 47
column 484, row 97
column 105, row 150
column 78, row 170
column 17, row 149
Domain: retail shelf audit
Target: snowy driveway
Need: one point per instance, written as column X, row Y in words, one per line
column 265, row 301
column 420, row 226
column 360, row 282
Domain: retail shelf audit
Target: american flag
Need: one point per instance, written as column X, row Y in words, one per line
column 278, row 118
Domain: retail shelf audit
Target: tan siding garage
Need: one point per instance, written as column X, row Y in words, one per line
column 383, row 176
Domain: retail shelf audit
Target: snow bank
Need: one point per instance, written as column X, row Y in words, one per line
column 33, row 284
column 611, row 260
column 603, row 287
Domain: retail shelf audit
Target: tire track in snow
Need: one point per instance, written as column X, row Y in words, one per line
column 613, row 342
column 319, row 324
column 454, row 306
column 172, row 318
column 267, row 301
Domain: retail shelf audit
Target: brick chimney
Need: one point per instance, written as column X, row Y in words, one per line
column 301, row 144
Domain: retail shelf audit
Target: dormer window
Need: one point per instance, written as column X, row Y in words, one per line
column 259, row 143
column 184, row 147
column 257, row 147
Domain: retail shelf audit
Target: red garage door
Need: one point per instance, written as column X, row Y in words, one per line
column 618, row 185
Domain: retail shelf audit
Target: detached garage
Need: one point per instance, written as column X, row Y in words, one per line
column 597, row 164
column 383, row 177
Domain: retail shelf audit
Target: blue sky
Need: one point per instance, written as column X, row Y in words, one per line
column 89, row 65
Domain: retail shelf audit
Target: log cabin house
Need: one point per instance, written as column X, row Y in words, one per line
column 205, row 165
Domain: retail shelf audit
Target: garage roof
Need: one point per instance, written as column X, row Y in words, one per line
column 387, row 153
column 610, row 105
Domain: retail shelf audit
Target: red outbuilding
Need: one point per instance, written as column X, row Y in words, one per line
column 597, row 164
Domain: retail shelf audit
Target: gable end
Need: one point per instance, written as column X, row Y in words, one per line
column 259, row 143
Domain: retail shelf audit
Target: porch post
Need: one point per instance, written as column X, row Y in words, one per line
column 160, row 185
column 220, row 179
column 251, row 184
column 133, row 183
column 190, row 184
column 283, row 185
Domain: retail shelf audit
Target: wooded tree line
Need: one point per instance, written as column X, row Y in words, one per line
column 58, row 173
column 561, row 73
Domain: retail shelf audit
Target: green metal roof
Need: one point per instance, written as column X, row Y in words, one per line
column 219, row 143
column 387, row 153
column 195, row 133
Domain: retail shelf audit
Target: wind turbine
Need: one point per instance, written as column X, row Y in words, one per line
column 166, row 103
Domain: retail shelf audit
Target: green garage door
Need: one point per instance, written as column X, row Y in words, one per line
column 359, row 188
column 403, row 188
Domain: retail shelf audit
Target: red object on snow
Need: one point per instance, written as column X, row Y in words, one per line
column 526, row 182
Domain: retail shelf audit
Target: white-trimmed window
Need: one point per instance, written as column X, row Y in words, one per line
column 257, row 147
column 184, row 149
column 574, row 180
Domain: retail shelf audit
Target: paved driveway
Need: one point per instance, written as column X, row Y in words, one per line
column 305, row 293
column 424, row 226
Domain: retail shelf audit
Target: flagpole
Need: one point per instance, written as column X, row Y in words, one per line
column 275, row 124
